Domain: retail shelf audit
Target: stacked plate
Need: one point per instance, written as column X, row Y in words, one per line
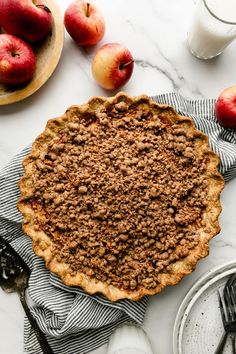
column 198, row 325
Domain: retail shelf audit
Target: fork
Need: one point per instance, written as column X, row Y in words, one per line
column 14, row 276
column 228, row 313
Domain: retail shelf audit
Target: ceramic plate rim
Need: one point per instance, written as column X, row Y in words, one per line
column 193, row 294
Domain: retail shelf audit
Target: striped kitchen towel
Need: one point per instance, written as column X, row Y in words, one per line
column 73, row 321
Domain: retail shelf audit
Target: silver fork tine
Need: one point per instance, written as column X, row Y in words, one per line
column 233, row 300
column 221, row 307
column 231, row 295
column 228, row 308
column 230, row 284
column 233, row 291
column 231, row 280
column 229, row 304
column 234, row 280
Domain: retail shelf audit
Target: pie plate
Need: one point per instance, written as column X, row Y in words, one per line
column 47, row 53
column 198, row 326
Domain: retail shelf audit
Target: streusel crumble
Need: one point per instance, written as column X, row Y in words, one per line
column 121, row 196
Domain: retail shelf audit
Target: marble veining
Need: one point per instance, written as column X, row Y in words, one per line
column 155, row 32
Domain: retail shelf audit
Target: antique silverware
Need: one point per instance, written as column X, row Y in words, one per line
column 227, row 304
column 14, row 276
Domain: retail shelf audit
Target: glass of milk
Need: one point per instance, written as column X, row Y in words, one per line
column 129, row 339
column 213, row 27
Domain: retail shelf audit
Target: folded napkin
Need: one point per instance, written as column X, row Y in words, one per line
column 73, row 321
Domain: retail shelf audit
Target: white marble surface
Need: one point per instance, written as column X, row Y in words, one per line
column 155, row 32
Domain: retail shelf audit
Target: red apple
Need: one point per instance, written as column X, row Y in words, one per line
column 17, row 60
column 84, row 23
column 112, row 66
column 31, row 20
column 225, row 108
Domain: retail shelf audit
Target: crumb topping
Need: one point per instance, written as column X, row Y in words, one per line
column 121, row 193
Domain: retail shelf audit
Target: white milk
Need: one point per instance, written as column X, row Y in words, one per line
column 129, row 339
column 128, row 350
column 209, row 36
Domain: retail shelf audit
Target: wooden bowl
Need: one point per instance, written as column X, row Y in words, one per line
column 47, row 53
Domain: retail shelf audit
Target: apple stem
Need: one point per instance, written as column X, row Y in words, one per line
column 125, row 64
column 15, row 55
column 87, row 9
column 44, row 7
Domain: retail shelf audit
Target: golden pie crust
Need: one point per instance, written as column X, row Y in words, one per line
column 147, row 202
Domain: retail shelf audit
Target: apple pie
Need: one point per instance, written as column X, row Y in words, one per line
column 121, row 196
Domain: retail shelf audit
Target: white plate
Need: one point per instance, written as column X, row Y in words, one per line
column 198, row 326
